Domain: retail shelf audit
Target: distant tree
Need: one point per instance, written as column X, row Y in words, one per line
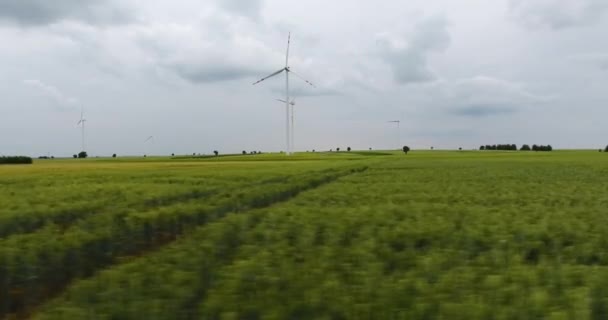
column 348, row 149
column 370, row 149
column 482, row 148
column 114, row 155
column 460, row 149
column 406, row 149
column 82, row 154
column 549, row 148
column 313, row 150
column 244, row 152
column 337, row 149
column 331, row 150
column 259, row 152
column 600, row 150
column 194, row 154
column 216, row 152
column 173, row 154
column 52, row 157
column 432, row 148
column 75, row 156
column 534, row 147
column 606, row 150
column 145, row 156
column 525, row 147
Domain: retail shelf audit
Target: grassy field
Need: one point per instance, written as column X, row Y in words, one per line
column 359, row 235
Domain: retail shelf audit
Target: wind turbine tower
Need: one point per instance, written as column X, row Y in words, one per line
column 291, row 110
column 287, row 71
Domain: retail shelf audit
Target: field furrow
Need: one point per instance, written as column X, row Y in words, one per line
column 39, row 264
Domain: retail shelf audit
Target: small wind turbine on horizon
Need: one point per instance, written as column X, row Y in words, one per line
column 398, row 122
column 151, row 140
column 287, row 71
column 81, row 123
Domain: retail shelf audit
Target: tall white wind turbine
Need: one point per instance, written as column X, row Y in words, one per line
column 287, row 71
column 81, row 123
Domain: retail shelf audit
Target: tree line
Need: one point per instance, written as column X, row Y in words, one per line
column 513, row 147
column 15, row 160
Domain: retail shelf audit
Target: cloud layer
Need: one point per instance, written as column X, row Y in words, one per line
column 409, row 60
column 182, row 72
column 42, row 12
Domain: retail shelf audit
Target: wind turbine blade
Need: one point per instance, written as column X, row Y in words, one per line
column 79, row 122
column 281, row 100
column 302, row 78
column 287, row 55
column 270, row 76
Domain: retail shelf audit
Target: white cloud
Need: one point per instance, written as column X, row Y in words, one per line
column 61, row 100
column 409, row 59
column 558, row 14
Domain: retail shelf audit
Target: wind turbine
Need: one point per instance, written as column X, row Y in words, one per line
column 287, row 71
column 151, row 139
column 291, row 104
column 398, row 122
column 81, row 123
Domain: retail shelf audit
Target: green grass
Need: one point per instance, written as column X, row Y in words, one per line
column 431, row 235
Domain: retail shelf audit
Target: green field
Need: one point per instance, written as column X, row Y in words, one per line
column 350, row 235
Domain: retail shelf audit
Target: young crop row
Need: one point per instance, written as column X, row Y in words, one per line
column 112, row 197
column 31, row 201
column 402, row 240
column 35, row 266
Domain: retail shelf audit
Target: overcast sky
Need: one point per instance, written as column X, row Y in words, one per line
column 456, row 73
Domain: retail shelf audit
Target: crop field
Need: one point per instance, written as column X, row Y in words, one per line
column 350, row 235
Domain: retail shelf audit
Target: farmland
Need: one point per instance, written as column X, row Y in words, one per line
column 430, row 235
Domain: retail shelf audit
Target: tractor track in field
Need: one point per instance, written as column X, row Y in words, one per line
column 23, row 305
column 65, row 218
column 190, row 306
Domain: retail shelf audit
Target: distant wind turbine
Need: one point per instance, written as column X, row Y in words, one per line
column 398, row 122
column 149, row 138
column 287, row 71
column 291, row 105
column 81, row 123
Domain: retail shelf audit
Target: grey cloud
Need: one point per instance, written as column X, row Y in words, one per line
column 248, row 8
column 483, row 110
column 557, row 14
column 44, row 12
column 409, row 63
column 212, row 73
column 599, row 60
column 308, row 91
column 483, row 96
